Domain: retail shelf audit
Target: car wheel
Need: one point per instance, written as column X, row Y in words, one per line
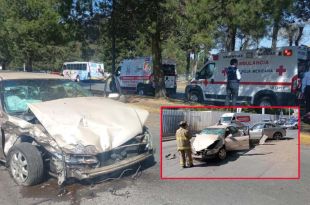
column 77, row 79
column 277, row 135
column 194, row 96
column 26, row 164
column 221, row 155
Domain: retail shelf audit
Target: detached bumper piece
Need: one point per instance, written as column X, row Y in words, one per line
column 94, row 172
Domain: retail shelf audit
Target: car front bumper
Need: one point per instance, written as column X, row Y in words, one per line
column 209, row 154
column 94, row 172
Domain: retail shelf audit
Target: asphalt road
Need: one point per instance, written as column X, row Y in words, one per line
column 147, row 188
column 277, row 159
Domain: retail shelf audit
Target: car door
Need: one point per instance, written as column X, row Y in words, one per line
column 269, row 130
column 235, row 140
column 256, row 132
column 1, row 144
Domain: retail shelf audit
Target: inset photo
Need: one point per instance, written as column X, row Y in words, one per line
column 230, row 142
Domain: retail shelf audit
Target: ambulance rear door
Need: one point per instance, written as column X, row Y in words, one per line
column 131, row 73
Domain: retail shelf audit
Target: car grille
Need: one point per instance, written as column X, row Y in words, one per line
column 131, row 148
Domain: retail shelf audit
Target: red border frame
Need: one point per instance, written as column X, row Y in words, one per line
column 229, row 178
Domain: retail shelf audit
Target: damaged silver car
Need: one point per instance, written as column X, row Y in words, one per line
column 50, row 124
column 271, row 130
column 215, row 141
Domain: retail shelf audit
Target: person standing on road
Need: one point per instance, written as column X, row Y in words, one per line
column 233, row 79
column 183, row 138
column 305, row 89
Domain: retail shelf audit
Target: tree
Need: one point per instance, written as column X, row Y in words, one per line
column 295, row 20
column 33, row 28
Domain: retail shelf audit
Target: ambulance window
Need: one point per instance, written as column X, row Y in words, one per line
column 302, row 64
column 207, row 71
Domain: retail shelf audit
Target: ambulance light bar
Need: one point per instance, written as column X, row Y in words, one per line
column 287, row 52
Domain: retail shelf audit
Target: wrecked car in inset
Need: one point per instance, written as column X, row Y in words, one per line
column 51, row 124
column 215, row 141
column 271, row 130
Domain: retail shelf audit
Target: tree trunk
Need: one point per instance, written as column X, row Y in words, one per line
column 113, row 36
column 231, row 38
column 188, row 63
column 275, row 31
column 160, row 90
column 29, row 64
column 290, row 40
column 3, row 66
column 300, row 32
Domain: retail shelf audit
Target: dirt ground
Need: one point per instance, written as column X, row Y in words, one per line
column 152, row 104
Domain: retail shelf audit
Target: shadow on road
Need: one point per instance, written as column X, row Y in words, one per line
column 257, row 154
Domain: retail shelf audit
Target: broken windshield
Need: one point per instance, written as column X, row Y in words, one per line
column 17, row 94
column 213, row 131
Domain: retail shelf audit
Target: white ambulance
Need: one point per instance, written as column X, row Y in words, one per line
column 136, row 75
column 241, row 119
column 268, row 77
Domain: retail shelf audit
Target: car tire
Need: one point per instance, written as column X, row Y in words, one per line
column 277, row 136
column 26, row 164
column 222, row 154
column 195, row 96
column 265, row 101
column 77, row 79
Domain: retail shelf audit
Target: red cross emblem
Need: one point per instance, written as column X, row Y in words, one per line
column 224, row 71
column 281, row 70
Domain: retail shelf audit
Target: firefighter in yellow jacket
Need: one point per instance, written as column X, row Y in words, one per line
column 183, row 137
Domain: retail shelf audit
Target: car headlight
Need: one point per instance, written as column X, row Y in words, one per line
column 81, row 159
column 148, row 139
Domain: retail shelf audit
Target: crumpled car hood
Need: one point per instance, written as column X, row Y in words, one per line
column 202, row 141
column 89, row 121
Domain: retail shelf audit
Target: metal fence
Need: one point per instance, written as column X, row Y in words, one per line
column 199, row 120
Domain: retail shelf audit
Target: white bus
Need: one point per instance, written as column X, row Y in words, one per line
column 83, row 70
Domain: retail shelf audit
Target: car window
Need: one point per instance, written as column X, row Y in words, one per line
column 213, row 131
column 269, row 125
column 233, row 130
column 17, row 94
column 258, row 126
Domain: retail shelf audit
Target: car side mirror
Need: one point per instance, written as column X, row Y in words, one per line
column 114, row 96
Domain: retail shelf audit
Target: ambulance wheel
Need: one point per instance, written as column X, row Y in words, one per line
column 140, row 90
column 194, row 96
column 113, row 87
column 265, row 101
